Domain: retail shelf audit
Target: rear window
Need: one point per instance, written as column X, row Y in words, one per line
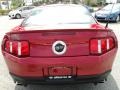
column 59, row 15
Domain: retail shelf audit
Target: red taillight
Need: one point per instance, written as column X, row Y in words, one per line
column 7, row 46
column 94, row 46
column 100, row 46
column 14, row 47
column 112, row 43
column 103, row 45
column 25, row 48
column 18, row 48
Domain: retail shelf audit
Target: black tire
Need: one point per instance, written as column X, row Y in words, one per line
column 17, row 16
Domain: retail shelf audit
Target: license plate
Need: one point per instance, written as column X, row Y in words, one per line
column 59, row 77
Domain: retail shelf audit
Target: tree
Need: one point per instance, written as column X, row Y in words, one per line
column 7, row 4
column 17, row 3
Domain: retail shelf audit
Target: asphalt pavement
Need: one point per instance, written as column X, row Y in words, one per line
column 6, row 82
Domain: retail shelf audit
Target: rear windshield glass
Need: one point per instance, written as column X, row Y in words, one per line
column 66, row 15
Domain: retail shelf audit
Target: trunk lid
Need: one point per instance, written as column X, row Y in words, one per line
column 76, row 40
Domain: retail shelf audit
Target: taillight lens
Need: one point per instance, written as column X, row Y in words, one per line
column 14, row 47
column 103, row 45
column 94, row 46
column 17, row 48
column 112, row 43
column 7, row 46
column 25, row 48
column 100, row 46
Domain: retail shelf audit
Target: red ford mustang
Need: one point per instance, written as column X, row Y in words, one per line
column 59, row 44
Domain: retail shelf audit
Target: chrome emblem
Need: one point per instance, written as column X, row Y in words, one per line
column 59, row 47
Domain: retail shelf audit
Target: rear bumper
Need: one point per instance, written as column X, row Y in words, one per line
column 40, row 67
column 75, row 79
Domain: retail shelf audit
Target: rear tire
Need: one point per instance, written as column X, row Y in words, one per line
column 17, row 16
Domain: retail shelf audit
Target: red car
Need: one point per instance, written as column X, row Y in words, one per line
column 59, row 44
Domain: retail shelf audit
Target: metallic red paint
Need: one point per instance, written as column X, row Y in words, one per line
column 81, row 65
column 73, row 38
column 92, row 26
column 77, row 56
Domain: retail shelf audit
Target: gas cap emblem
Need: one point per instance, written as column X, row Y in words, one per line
column 59, row 47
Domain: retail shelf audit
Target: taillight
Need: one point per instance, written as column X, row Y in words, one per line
column 7, row 46
column 17, row 48
column 100, row 46
column 25, row 48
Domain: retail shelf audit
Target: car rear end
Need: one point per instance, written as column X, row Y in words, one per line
column 89, row 56
column 51, row 47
